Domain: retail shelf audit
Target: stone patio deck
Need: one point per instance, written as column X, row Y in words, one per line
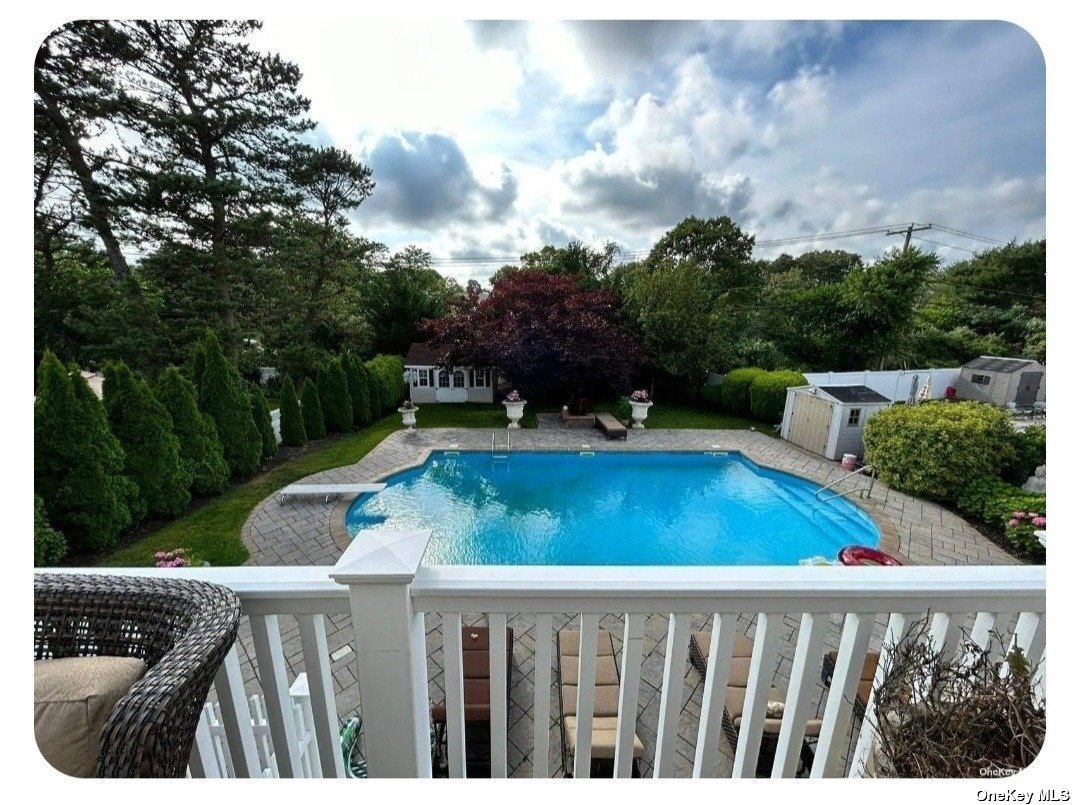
column 311, row 532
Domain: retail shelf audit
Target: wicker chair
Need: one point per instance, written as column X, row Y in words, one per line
column 182, row 630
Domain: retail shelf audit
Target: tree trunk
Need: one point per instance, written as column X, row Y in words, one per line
column 97, row 204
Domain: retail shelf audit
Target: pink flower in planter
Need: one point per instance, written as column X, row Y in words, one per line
column 1038, row 522
column 513, row 397
column 640, row 396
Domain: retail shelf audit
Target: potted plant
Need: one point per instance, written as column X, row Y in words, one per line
column 515, row 408
column 639, row 407
column 408, row 411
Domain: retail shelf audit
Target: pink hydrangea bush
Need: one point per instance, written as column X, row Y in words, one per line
column 1020, row 529
column 177, row 557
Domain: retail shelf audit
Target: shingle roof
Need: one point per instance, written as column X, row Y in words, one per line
column 421, row 355
column 854, row 394
column 990, row 363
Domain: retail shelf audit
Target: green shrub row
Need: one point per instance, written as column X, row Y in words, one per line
column 995, row 502
column 752, row 392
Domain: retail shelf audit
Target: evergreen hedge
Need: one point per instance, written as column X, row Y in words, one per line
column 78, row 463
column 223, row 397
column 200, row 448
column 334, row 396
column 357, row 378
column 151, row 450
column 49, row 544
column 768, row 394
column 932, row 450
column 292, row 421
column 387, row 371
column 260, row 412
column 311, row 407
column 735, row 391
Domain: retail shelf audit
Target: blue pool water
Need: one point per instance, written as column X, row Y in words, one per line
column 611, row 509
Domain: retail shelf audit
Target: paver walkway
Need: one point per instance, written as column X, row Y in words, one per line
column 311, row 532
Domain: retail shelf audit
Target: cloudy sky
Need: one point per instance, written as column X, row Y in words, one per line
column 492, row 138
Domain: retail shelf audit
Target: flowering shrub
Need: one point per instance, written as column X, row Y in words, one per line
column 1020, row 530
column 513, row 397
column 178, row 557
column 639, row 396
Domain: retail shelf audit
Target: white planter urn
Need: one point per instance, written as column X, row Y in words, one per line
column 638, row 412
column 408, row 416
column 514, row 412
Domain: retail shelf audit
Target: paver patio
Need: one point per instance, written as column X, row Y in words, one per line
column 312, row 532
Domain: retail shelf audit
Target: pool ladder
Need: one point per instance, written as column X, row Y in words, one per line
column 505, row 455
column 862, row 490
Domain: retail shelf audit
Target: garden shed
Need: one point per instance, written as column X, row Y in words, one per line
column 829, row 420
column 429, row 382
column 1002, row 381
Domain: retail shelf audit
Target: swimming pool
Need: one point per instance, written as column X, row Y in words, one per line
column 620, row 508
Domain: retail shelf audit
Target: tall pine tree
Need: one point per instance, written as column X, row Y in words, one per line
column 200, row 448
column 359, row 392
column 311, row 406
column 292, row 420
column 78, row 463
column 151, row 450
column 223, row 397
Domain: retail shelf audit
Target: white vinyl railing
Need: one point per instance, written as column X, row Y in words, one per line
column 382, row 584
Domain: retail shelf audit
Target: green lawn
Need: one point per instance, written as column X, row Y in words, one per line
column 212, row 531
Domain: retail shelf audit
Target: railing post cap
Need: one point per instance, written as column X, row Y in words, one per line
column 385, row 556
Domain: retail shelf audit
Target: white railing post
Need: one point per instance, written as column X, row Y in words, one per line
column 391, row 654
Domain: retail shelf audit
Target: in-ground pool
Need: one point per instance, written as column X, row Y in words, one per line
column 611, row 509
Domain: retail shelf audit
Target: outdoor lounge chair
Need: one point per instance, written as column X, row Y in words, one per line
column 735, row 698
column 476, row 676
column 611, row 427
column 605, row 705
column 866, row 679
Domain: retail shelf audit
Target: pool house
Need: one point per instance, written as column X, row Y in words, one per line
column 431, row 383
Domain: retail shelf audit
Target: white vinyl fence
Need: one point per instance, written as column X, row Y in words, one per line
column 899, row 385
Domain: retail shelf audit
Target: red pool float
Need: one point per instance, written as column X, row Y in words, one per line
column 861, row 555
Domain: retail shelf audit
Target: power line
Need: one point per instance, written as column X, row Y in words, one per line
column 946, row 245
column 971, row 235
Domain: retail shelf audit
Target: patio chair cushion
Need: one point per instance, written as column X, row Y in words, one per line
column 604, row 736
column 73, row 698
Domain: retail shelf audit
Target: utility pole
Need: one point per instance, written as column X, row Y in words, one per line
column 912, row 227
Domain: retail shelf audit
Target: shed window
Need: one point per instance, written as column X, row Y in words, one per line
column 980, row 380
column 479, row 378
column 422, row 377
column 459, row 378
column 444, row 380
column 853, row 417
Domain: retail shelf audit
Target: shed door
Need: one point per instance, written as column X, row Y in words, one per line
column 810, row 419
column 1028, row 388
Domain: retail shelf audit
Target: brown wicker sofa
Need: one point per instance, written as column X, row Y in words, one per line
column 181, row 629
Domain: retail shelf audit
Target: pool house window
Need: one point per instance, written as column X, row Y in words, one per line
column 980, row 380
column 853, row 417
column 479, row 378
column 421, row 378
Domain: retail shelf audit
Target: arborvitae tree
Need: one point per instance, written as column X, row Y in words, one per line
column 200, row 448
column 198, row 366
column 78, row 463
column 311, row 406
column 151, row 449
column 334, row 396
column 260, row 412
column 358, row 389
column 375, row 408
column 223, row 397
column 49, row 544
column 293, row 433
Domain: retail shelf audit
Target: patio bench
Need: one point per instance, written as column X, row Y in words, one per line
column 611, row 427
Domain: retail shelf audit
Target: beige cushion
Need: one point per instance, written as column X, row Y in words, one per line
column 604, row 736
column 73, row 698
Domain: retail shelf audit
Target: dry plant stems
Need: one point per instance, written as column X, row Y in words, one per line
column 958, row 716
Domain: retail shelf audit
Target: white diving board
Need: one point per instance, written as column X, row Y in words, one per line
column 326, row 490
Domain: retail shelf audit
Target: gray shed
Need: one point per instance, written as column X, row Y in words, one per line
column 1002, row 381
column 829, row 420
